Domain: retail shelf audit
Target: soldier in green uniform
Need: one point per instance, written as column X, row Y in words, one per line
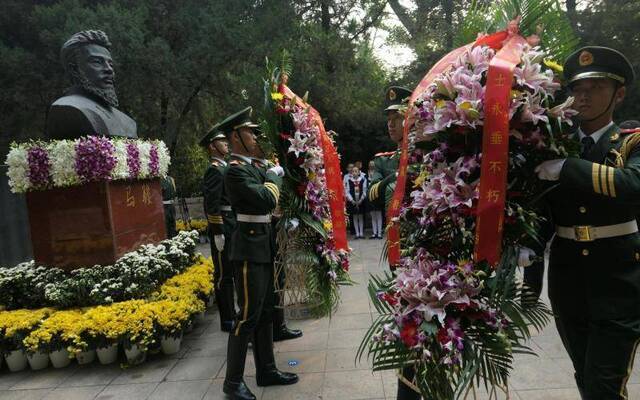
column 381, row 190
column 594, row 264
column 281, row 331
column 221, row 221
column 168, row 186
column 253, row 193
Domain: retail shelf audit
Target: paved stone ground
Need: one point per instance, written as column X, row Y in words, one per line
column 323, row 357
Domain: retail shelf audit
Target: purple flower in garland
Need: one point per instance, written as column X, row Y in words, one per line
column 133, row 159
column 95, row 158
column 39, row 166
column 154, row 160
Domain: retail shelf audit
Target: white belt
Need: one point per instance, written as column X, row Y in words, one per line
column 167, row 202
column 588, row 233
column 254, row 219
column 225, row 208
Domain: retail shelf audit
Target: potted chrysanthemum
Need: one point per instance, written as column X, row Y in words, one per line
column 15, row 326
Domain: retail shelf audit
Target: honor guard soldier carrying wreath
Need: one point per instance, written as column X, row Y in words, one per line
column 386, row 164
column 253, row 193
column 221, row 222
column 594, row 263
column 381, row 191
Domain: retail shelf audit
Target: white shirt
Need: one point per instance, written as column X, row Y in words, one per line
column 595, row 135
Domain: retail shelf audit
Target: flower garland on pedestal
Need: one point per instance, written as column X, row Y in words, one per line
column 307, row 236
column 40, row 165
column 457, row 318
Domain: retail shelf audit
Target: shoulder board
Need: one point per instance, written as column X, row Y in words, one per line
column 385, row 154
column 625, row 132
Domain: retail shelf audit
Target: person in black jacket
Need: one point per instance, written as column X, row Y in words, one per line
column 221, row 224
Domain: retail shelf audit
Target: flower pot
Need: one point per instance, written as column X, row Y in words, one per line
column 60, row 358
column 203, row 239
column 16, row 360
column 171, row 345
column 199, row 318
column 212, row 300
column 38, row 360
column 108, row 355
column 189, row 327
column 86, row 357
column 135, row 355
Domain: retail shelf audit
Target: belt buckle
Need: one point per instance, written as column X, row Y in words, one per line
column 583, row 233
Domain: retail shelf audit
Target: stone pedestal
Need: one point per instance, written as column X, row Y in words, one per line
column 94, row 223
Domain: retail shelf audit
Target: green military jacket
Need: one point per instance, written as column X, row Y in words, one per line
column 383, row 181
column 602, row 188
column 216, row 202
column 252, row 191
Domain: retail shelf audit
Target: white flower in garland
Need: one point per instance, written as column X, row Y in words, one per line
column 164, row 158
column 63, row 171
column 144, row 149
column 121, row 170
column 18, row 169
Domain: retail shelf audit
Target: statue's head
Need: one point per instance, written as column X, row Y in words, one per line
column 88, row 63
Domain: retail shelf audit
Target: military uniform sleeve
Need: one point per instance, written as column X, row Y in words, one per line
column 613, row 182
column 263, row 198
column 213, row 181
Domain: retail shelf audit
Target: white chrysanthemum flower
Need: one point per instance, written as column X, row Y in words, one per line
column 62, row 155
column 18, row 172
column 144, row 148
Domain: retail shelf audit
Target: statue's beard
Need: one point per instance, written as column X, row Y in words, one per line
column 107, row 95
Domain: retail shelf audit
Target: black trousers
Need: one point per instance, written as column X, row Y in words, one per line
column 602, row 351
column 256, row 296
column 170, row 220
column 278, row 312
column 223, row 282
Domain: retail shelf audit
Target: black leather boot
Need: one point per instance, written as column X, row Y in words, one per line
column 234, row 385
column 266, row 372
column 280, row 330
column 224, row 298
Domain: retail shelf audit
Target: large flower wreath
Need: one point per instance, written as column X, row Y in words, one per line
column 453, row 315
column 311, row 232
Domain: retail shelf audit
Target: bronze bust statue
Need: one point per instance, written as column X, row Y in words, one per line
column 89, row 106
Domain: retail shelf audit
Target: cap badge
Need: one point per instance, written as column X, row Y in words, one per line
column 392, row 94
column 586, row 58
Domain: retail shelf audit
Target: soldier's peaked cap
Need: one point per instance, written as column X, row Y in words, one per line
column 598, row 62
column 240, row 119
column 214, row 134
column 395, row 97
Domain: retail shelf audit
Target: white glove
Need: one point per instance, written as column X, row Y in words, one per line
column 278, row 170
column 525, row 257
column 550, row 170
column 219, row 241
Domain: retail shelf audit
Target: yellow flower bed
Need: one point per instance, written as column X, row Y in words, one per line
column 198, row 224
column 134, row 321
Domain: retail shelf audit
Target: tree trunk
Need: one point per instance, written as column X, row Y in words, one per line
column 173, row 143
column 404, row 17
column 325, row 16
column 447, row 6
column 164, row 110
column 571, row 13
